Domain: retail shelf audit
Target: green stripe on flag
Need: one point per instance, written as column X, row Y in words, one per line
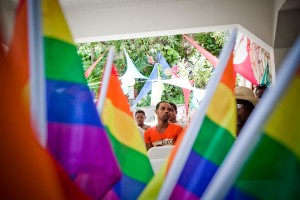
column 213, row 142
column 135, row 164
column 62, row 61
column 272, row 172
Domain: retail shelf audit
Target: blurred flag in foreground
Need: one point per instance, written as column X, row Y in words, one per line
column 18, row 55
column 264, row 163
column 127, row 142
column 76, row 136
column 273, row 169
column 26, row 171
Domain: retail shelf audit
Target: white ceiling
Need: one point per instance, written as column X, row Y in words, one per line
column 118, row 19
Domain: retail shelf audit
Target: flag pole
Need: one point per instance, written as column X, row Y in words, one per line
column 190, row 136
column 251, row 132
column 36, row 71
column 105, row 79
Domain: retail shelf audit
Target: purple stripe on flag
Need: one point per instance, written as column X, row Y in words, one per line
column 111, row 195
column 202, row 172
column 181, row 193
column 81, row 148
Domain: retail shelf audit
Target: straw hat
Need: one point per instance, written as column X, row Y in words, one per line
column 244, row 93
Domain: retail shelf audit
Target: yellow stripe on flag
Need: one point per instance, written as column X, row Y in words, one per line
column 125, row 131
column 284, row 129
column 153, row 187
column 53, row 25
column 222, row 109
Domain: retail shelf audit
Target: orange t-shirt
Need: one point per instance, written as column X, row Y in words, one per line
column 168, row 137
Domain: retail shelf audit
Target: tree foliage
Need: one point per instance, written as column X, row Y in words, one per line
column 175, row 49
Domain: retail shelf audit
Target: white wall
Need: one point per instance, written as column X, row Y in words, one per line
column 279, row 55
column 102, row 24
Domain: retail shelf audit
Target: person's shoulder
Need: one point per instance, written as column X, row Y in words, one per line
column 147, row 127
column 175, row 126
column 181, row 124
column 151, row 129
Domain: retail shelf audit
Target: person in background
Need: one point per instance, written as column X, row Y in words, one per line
column 173, row 115
column 164, row 133
column 140, row 119
column 245, row 101
column 260, row 89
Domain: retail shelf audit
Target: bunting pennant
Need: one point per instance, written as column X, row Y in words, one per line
column 131, row 71
column 208, row 138
column 242, row 63
column 243, row 66
column 76, row 136
column 266, row 77
column 148, row 86
column 161, row 60
column 89, row 71
column 211, row 58
column 26, row 169
column 150, row 60
column 157, row 88
column 126, row 141
column 153, row 77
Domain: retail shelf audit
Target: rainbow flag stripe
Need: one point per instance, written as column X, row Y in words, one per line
column 273, row 169
column 126, row 141
column 76, row 136
column 215, row 138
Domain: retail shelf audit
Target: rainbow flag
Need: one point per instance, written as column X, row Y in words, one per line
column 205, row 145
column 273, row 169
column 128, row 146
column 214, row 140
column 27, row 171
column 76, row 136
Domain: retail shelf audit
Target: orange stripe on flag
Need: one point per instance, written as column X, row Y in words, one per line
column 229, row 74
column 114, row 95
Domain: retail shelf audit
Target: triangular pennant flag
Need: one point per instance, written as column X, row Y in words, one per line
column 131, row 71
column 157, row 88
column 165, row 66
column 89, row 71
column 147, row 87
column 242, row 64
column 266, row 77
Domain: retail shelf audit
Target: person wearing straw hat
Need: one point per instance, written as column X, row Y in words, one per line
column 245, row 101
